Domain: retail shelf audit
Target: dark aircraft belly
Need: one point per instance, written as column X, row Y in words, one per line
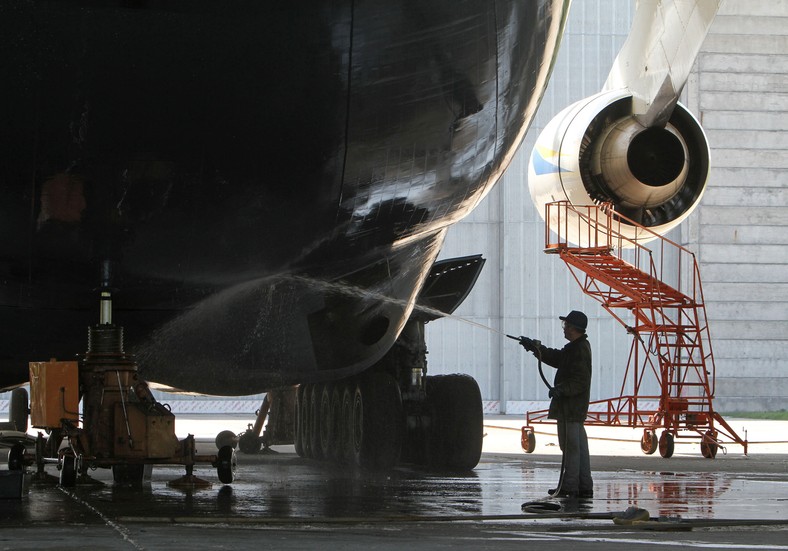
column 223, row 157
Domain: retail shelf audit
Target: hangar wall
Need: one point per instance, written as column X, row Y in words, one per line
column 739, row 91
column 740, row 230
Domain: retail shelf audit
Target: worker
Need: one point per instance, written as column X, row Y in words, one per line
column 569, row 402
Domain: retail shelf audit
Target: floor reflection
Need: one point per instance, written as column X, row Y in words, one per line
column 288, row 487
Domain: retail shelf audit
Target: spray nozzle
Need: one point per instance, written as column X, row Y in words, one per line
column 525, row 342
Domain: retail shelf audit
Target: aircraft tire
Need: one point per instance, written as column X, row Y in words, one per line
column 455, row 437
column 346, row 423
column 315, row 394
column 335, row 451
column 306, row 439
column 298, row 438
column 377, row 422
column 326, row 421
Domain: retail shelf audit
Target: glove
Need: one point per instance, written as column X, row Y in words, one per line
column 528, row 344
column 554, row 393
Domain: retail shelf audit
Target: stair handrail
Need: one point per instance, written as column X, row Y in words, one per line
column 613, row 239
column 595, row 227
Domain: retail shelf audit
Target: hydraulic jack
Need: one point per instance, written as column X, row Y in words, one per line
column 122, row 426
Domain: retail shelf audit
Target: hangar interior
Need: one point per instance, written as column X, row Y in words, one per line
column 737, row 90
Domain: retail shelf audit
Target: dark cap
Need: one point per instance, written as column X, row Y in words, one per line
column 578, row 319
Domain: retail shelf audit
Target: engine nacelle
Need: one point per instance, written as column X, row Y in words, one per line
column 596, row 151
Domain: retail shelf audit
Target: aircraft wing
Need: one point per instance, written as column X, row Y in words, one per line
column 656, row 59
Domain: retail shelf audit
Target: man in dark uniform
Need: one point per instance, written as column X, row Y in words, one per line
column 569, row 405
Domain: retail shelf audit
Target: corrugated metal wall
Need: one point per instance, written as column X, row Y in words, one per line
column 739, row 93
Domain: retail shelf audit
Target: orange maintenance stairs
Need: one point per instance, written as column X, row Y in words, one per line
column 660, row 288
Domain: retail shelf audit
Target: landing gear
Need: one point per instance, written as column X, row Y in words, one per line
column 389, row 413
column 371, row 427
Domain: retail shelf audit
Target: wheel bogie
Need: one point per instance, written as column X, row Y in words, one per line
column 362, row 421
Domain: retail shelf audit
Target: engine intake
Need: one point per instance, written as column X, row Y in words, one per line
column 597, row 151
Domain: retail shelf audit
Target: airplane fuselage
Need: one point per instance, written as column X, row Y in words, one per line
column 262, row 187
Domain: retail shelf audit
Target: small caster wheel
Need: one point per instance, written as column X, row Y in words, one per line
column 649, row 442
column 226, row 464
column 68, row 471
column 666, row 445
column 16, row 457
column 528, row 440
column 709, row 445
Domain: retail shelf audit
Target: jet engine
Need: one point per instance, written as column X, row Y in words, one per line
column 597, row 151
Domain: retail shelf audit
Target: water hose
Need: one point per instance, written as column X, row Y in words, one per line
column 538, row 354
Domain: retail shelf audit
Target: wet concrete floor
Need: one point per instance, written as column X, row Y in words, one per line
column 281, row 501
